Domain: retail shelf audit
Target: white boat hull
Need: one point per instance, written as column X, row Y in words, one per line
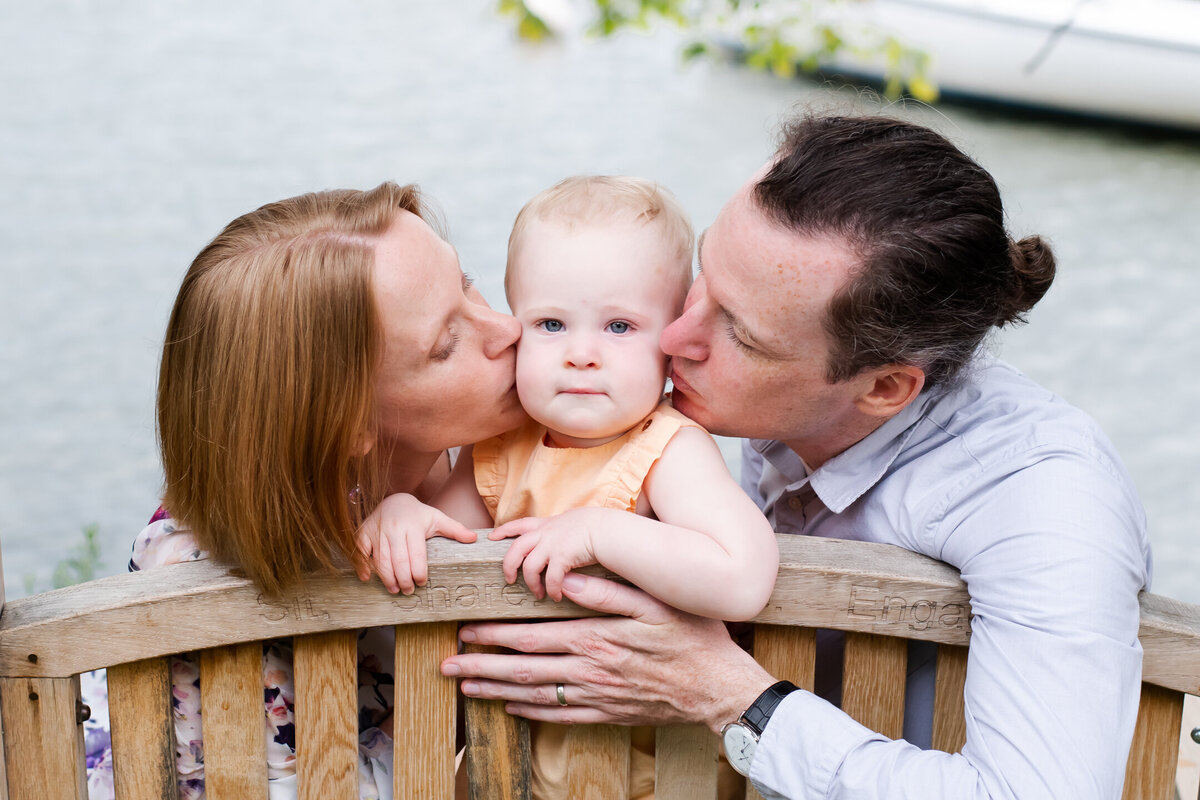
column 1115, row 58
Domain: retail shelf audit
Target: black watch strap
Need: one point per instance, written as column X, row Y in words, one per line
column 760, row 711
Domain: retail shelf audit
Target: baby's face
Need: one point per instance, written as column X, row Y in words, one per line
column 592, row 303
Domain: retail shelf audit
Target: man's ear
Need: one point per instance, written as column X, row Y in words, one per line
column 889, row 389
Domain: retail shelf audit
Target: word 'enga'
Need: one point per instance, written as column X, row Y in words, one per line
column 869, row 602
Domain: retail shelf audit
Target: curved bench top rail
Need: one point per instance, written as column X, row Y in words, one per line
column 829, row 583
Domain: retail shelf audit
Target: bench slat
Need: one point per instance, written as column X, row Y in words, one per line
column 497, row 747
column 873, row 682
column 42, row 739
column 1150, row 773
column 949, row 712
column 142, row 729
column 231, row 699
column 425, row 711
column 598, row 765
column 685, row 763
column 789, row 653
column 326, row 677
column 3, row 760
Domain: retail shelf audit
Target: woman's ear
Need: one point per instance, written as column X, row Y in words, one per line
column 890, row 389
column 365, row 442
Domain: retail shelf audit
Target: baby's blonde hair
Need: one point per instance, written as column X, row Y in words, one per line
column 600, row 199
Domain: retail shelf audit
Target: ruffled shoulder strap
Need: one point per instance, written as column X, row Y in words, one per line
column 647, row 441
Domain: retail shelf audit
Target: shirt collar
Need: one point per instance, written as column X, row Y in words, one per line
column 847, row 476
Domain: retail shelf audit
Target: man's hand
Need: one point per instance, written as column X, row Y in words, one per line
column 649, row 665
column 553, row 545
column 393, row 540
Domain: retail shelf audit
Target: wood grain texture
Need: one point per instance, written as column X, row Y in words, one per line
column 3, row 770
column 949, row 712
column 855, row 586
column 873, row 682
column 1170, row 636
column 598, row 762
column 139, row 611
column 43, row 742
column 1150, row 771
column 326, row 679
column 497, row 757
column 852, row 586
column 425, row 711
column 788, row 653
column 685, row 763
column 3, row 762
column 143, row 730
column 231, row 698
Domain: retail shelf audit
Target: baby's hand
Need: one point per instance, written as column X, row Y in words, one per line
column 553, row 545
column 393, row 541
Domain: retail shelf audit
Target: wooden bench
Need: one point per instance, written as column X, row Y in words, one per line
column 880, row 595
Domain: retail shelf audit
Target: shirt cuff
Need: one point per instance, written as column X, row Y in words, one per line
column 804, row 745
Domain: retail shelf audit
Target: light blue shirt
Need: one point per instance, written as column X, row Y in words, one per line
column 1028, row 499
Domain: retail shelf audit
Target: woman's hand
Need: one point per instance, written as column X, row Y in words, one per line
column 553, row 545
column 650, row 665
column 393, row 540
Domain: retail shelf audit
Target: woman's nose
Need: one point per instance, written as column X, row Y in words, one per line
column 501, row 332
column 687, row 336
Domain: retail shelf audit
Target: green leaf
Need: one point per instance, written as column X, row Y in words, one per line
column 923, row 89
column 782, row 36
column 533, row 28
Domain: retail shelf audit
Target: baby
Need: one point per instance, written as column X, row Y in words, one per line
column 597, row 268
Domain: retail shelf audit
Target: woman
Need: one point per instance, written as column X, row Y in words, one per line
column 324, row 351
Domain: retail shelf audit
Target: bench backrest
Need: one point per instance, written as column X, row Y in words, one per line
column 880, row 595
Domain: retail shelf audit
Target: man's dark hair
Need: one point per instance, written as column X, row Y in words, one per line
column 936, row 268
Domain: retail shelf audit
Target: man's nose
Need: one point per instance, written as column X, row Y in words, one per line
column 687, row 336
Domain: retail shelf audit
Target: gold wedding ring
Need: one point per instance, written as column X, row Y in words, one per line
column 562, row 695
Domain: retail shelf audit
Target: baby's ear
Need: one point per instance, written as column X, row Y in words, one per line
column 889, row 389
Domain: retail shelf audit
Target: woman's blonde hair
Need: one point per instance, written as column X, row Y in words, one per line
column 266, row 392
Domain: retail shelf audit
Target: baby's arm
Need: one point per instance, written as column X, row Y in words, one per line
column 459, row 498
column 393, row 537
column 711, row 552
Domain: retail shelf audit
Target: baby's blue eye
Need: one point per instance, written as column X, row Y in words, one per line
column 551, row 325
column 619, row 326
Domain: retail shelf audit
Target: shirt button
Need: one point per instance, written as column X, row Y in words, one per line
column 795, row 503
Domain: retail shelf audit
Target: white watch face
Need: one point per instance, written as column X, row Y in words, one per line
column 739, row 742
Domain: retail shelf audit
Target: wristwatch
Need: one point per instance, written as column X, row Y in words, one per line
column 740, row 738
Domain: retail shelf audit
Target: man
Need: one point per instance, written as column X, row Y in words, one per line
column 844, row 297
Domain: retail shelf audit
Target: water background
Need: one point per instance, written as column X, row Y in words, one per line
column 130, row 133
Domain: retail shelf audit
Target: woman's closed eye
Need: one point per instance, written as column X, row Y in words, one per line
column 446, row 348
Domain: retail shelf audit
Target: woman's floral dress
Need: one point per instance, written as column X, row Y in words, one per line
column 161, row 543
